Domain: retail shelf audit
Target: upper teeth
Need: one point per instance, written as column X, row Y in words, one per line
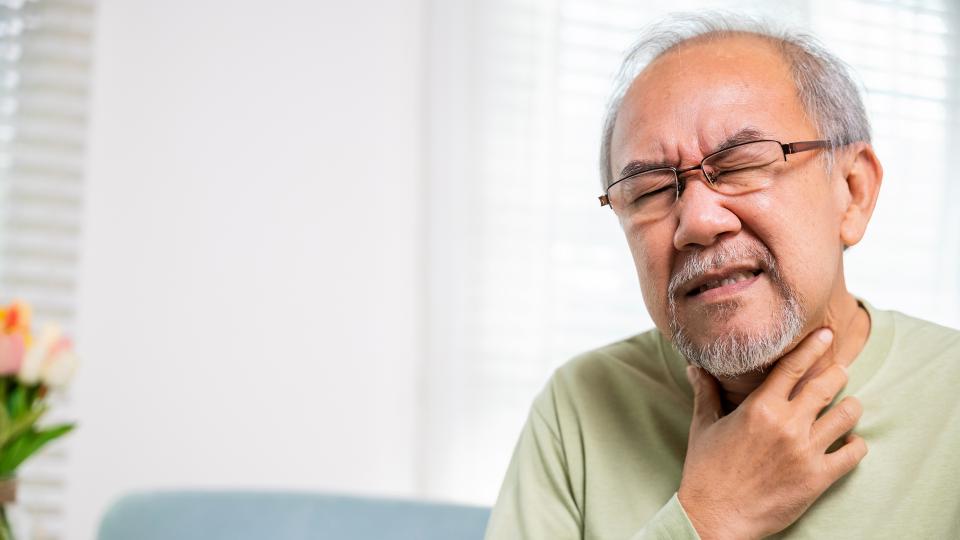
column 729, row 280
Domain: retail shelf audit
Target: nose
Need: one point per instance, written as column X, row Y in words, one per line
column 702, row 216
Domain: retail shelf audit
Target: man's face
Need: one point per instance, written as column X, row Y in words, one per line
column 780, row 245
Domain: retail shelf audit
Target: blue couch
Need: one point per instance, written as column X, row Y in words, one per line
column 234, row 515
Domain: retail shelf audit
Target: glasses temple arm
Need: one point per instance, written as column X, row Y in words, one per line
column 803, row 146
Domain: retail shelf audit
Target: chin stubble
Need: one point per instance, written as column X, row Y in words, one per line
column 736, row 353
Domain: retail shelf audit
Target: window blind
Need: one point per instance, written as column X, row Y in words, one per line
column 45, row 49
column 526, row 270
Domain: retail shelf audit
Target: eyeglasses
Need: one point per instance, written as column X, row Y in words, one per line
column 735, row 170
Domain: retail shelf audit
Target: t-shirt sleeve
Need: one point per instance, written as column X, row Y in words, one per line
column 669, row 523
column 537, row 501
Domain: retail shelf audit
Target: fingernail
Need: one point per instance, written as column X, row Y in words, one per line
column 691, row 374
column 825, row 335
column 844, row 368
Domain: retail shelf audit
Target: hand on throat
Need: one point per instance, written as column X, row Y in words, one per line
column 851, row 326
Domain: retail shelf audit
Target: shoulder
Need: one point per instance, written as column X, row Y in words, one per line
column 916, row 338
column 643, row 355
column 625, row 374
column 916, row 348
column 913, row 331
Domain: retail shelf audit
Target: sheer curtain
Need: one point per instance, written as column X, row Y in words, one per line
column 526, row 270
column 45, row 64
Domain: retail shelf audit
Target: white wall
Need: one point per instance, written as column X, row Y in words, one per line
column 250, row 307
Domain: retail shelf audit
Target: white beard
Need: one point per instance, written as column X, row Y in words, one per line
column 737, row 353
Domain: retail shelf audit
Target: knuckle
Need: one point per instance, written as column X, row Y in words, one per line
column 759, row 412
column 849, row 411
column 835, row 469
column 821, row 391
column 791, row 433
column 824, row 399
column 840, row 373
column 832, row 471
column 850, row 455
column 809, row 485
column 821, row 483
column 790, row 368
column 844, row 415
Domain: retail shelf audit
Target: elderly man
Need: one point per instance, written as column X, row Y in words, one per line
column 738, row 162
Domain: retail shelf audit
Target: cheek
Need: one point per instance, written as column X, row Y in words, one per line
column 652, row 251
column 816, row 220
column 801, row 229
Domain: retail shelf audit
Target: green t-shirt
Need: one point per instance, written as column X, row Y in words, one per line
column 602, row 451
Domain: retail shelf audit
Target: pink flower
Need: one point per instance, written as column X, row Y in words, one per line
column 59, row 365
column 35, row 359
column 11, row 353
column 49, row 360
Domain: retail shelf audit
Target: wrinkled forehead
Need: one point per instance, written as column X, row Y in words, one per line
column 699, row 94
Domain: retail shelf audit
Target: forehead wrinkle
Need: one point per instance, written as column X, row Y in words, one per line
column 698, row 122
column 745, row 88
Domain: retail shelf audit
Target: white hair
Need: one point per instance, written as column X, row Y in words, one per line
column 825, row 88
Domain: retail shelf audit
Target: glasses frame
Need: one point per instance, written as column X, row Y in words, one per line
column 788, row 148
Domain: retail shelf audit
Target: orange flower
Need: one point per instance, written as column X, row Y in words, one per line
column 15, row 319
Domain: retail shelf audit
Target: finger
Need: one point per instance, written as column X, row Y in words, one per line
column 846, row 458
column 837, row 421
column 791, row 368
column 819, row 391
column 706, row 400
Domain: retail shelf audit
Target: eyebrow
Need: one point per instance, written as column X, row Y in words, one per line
column 745, row 135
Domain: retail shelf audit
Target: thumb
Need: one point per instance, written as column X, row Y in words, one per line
column 706, row 399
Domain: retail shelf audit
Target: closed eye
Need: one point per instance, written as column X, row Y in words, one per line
column 656, row 191
column 718, row 174
column 649, row 196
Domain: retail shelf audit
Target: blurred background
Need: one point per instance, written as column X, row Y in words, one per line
column 340, row 246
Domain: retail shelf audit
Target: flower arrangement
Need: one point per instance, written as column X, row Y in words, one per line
column 30, row 368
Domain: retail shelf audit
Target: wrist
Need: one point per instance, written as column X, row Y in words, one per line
column 712, row 523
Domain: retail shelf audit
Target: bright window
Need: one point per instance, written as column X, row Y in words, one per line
column 527, row 270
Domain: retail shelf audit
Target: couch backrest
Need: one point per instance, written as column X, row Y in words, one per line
column 215, row 515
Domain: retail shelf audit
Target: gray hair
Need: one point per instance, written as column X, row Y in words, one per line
column 829, row 95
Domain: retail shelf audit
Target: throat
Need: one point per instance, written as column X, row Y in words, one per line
column 849, row 340
column 734, row 391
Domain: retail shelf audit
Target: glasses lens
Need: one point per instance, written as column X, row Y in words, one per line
column 647, row 195
column 743, row 168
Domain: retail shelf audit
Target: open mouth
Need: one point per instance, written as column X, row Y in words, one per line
column 731, row 279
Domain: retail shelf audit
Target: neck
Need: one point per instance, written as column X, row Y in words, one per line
column 851, row 326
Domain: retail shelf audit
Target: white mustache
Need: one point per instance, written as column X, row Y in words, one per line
column 725, row 254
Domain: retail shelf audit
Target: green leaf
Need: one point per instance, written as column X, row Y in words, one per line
column 4, row 410
column 18, row 401
column 8, row 402
column 29, row 444
column 54, row 432
column 21, row 424
column 4, row 425
column 9, row 456
column 32, row 392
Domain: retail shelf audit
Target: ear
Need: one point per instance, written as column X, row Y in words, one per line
column 861, row 176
